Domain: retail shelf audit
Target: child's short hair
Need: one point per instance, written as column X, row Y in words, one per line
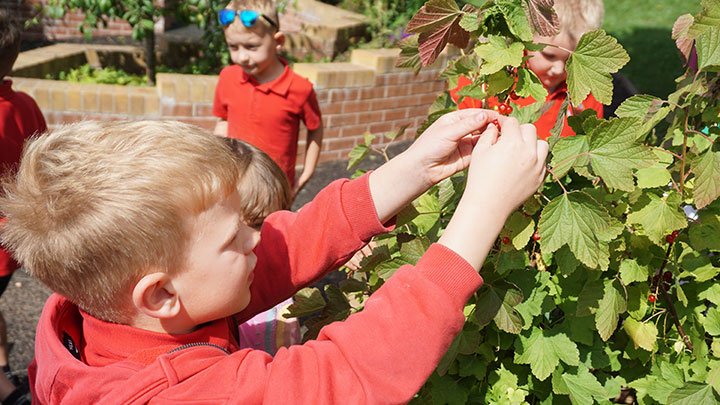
column 579, row 16
column 95, row 205
column 266, row 7
column 264, row 187
column 10, row 38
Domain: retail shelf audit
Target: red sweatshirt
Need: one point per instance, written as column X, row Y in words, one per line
column 20, row 118
column 381, row 355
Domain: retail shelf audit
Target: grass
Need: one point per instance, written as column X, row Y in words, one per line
column 644, row 28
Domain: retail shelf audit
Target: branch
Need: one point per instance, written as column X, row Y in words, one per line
column 701, row 134
column 668, row 301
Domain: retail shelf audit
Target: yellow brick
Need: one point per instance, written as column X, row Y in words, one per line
column 121, row 100
column 336, row 75
column 74, row 97
column 90, row 99
column 166, row 84
column 41, row 94
column 152, row 104
column 137, row 103
column 197, row 90
column 380, row 60
column 182, row 89
column 58, row 98
column 211, row 83
column 107, row 98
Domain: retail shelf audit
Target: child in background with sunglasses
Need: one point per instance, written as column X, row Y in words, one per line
column 260, row 99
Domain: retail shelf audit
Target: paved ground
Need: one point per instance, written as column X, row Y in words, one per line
column 22, row 302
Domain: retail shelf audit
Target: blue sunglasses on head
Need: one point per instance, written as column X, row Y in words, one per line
column 247, row 17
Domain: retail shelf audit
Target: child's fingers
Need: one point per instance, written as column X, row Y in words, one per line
column 459, row 124
column 487, row 138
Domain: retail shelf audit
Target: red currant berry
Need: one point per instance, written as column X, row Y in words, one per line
column 669, row 239
column 666, row 286
column 501, row 108
column 674, row 234
column 496, row 123
column 513, row 95
column 536, row 236
column 667, row 276
column 508, row 109
column 505, row 240
column 655, row 279
column 652, row 298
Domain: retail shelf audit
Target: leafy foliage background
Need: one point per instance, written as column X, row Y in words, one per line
column 628, row 210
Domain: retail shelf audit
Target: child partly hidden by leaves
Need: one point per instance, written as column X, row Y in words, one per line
column 141, row 231
column 576, row 17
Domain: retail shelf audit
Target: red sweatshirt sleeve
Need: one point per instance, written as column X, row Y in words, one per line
column 381, row 355
column 298, row 248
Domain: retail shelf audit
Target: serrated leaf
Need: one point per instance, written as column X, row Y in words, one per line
column 708, row 48
column 575, row 219
column 611, row 306
column 656, row 175
column 583, row 386
column 437, row 22
column 498, row 304
column 496, row 54
column 428, row 207
column 499, row 82
column 708, row 18
column 614, row 153
column 631, row 271
column 699, row 265
column 357, row 154
column 658, row 388
column 519, row 229
column 516, row 19
column 658, row 216
column 693, row 393
column 712, row 322
column 529, row 85
column 636, row 106
column 566, row 261
column 680, row 34
column 409, row 54
column 528, row 114
column 712, row 294
column 642, row 334
column 707, row 178
column 543, row 18
column 568, row 153
column 596, row 56
column 307, row 301
column 459, row 67
column 470, row 22
column 706, row 233
column 412, row 251
column 589, row 298
column 543, row 352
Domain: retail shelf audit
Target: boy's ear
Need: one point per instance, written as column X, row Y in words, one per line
column 279, row 40
column 155, row 296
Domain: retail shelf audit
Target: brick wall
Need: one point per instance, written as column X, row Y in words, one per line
column 368, row 95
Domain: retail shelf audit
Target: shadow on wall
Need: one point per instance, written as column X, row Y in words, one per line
column 655, row 61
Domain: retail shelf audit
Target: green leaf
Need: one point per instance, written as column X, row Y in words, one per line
column 707, row 180
column 413, row 250
column 699, row 265
column 614, row 153
column 494, row 303
column 582, row 386
column 357, row 154
column 512, row 260
column 642, row 334
column 631, row 271
column 589, row 298
column 470, row 22
column 528, row 114
column 636, row 106
column 543, row 352
column 519, row 229
column 409, row 54
column 428, row 207
column 708, row 48
column 611, row 306
column 658, row 216
column 656, row 175
column 496, row 54
column 711, row 293
column 589, row 66
column 693, row 393
column 499, row 82
column 708, row 18
column 712, row 322
column 529, row 85
column 516, row 19
column 575, row 219
column 566, row 262
column 447, row 390
column 307, row 301
column 568, row 153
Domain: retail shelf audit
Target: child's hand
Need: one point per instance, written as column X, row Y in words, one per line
column 446, row 146
column 504, row 172
column 510, row 167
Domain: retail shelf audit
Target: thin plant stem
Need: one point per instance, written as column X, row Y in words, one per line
column 557, row 180
column 666, row 151
column 668, row 300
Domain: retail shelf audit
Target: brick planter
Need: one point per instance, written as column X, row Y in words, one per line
column 367, row 95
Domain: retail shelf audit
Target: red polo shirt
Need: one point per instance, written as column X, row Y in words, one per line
column 20, row 118
column 267, row 115
column 547, row 121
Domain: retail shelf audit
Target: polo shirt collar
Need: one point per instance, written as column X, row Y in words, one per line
column 560, row 91
column 108, row 342
column 6, row 90
column 280, row 85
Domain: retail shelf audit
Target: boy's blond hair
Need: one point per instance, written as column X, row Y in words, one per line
column 264, row 187
column 579, row 16
column 96, row 205
column 266, row 7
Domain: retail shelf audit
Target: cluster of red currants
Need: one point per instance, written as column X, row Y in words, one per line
column 667, row 279
column 671, row 238
column 504, row 109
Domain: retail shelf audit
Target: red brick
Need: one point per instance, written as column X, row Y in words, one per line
column 396, row 91
column 177, row 110
column 343, row 95
column 354, row 106
column 372, row 92
column 330, row 133
column 382, row 127
column 370, row 117
column 341, row 120
column 341, row 144
column 396, row 114
column 354, row 130
column 332, row 108
column 383, row 104
column 203, row 110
